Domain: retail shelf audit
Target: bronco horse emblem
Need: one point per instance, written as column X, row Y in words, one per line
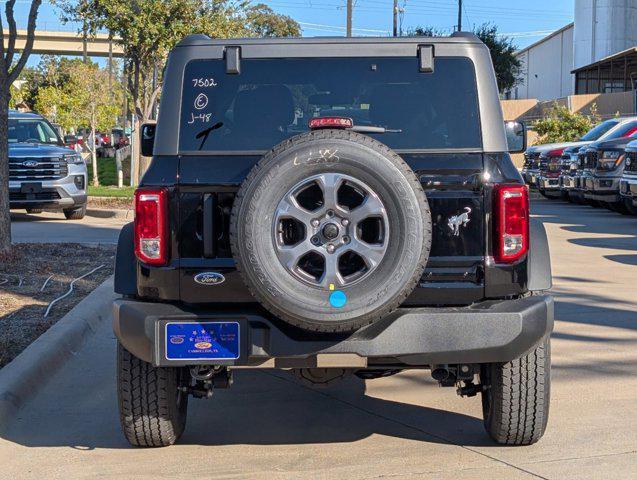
column 458, row 221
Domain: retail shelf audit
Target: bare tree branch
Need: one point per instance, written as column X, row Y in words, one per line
column 151, row 102
column 33, row 15
column 13, row 33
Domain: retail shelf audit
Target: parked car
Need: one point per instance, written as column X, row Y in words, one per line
column 332, row 247
column 43, row 173
column 600, row 181
column 575, row 183
column 538, row 157
column 628, row 181
column 551, row 168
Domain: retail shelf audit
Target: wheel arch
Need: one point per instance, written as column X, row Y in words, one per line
column 539, row 259
column 125, row 262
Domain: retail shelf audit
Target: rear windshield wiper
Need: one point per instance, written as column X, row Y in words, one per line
column 373, row 129
column 206, row 132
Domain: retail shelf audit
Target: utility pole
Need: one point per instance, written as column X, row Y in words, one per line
column 395, row 18
column 459, row 15
column 349, row 18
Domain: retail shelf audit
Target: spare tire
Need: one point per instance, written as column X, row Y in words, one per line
column 331, row 230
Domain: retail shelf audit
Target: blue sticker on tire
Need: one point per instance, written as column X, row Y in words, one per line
column 338, row 299
column 202, row 341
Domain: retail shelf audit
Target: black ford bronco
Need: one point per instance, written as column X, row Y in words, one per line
column 333, row 207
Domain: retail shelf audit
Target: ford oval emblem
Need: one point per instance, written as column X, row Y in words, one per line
column 210, row 278
column 29, row 163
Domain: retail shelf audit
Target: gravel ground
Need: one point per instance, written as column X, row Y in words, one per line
column 23, row 301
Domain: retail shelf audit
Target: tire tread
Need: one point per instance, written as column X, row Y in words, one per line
column 147, row 406
column 517, row 400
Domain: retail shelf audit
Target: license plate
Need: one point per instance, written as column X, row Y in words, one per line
column 202, row 341
column 31, row 187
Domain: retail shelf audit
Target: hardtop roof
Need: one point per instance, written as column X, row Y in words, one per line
column 204, row 40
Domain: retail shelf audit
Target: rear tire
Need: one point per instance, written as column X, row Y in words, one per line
column 516, row 403
column 152, row 409
column 75, row 213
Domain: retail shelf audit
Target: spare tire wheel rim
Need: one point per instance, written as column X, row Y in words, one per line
column 330, row 230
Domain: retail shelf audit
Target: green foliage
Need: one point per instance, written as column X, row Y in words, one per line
column 148, row 29
column 502, row 49
column 562, row 125
column 75, row 94
column 425, row 32
column 17, row 95
column 51, row 71
column 505, row 63
column 262, row 21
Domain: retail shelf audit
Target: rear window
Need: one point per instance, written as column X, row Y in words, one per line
column 273, row 99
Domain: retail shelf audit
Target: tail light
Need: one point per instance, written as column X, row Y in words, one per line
column 511, row 212
column 151, row 225
column 330, row 122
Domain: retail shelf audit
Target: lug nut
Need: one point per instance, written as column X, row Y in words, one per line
column 345, row 239
column 330, row 248
column 315, row 223
column 330, row 213
column 315, row 240
column 345, row 222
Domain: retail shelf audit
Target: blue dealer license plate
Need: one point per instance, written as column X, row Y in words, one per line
column 202, row 341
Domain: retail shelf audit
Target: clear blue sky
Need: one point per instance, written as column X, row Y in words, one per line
column 525, row 21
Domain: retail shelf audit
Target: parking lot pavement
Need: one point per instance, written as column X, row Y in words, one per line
column 53, row 227
column 404, row 427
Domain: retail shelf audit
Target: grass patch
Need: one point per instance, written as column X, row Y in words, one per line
column 111, row 191
column 107, row 173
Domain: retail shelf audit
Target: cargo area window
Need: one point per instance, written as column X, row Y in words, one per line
column 273, row 99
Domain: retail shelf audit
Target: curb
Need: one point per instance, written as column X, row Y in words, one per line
column 110, row 213
column 29, row 371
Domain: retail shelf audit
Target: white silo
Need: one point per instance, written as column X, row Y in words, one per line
column 603, row 28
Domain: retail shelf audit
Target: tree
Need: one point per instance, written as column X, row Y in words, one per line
column 82, row 101
column 505, row 63
column 9, row 71
column 562, row 125
column 262, row 21
column 148, row 29
column 425, row 32
column 92, row 105
column 502, row 49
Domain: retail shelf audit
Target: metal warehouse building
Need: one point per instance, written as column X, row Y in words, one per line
column 595, row 54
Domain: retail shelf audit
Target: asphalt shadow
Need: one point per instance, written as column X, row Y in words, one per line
column 625, row 259
column 263, row 408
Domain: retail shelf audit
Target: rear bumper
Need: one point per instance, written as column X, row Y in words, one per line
column 491, row 331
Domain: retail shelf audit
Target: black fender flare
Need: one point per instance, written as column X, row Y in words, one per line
column 125, row 262
column 539, row 259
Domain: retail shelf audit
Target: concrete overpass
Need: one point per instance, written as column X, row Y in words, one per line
column 68, row 43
